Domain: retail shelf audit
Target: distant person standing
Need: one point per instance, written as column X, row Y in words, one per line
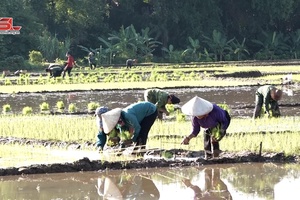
column 92, row 60
column 69, row 64
column 267, row 96
column 130, row 63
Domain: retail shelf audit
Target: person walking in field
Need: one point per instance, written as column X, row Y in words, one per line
column 267, row 97
column 160, row 98
column 136, row 119
column 69, row 64
column 212, row 118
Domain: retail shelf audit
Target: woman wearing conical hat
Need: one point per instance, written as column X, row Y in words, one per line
column 137, row 118
column 212, row 118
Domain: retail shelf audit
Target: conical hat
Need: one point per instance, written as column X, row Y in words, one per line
column 197, row 107
column 111, row 190
column 110, row 119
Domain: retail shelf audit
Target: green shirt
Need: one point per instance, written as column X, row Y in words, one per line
column 157, row 97
column 265, row 92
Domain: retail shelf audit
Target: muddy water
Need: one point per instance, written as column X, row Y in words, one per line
column 240, row 99
column 238, row 181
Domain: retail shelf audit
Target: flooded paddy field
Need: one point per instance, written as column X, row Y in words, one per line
column 239, row 99
column 227, row 181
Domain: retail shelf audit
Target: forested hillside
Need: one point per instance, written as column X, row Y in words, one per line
column 150, row 30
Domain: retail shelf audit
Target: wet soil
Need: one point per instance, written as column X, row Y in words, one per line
column 152, row 159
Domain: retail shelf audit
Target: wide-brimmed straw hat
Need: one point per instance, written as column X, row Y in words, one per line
column 110, row 119
column 276, row 94
column 197, row 107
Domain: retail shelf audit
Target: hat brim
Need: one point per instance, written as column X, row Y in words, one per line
column 110, row 119
column 197, row 107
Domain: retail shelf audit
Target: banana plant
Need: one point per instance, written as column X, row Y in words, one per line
column 240, row 49
column 218, row 44
column 271, row 44
column 192, row 50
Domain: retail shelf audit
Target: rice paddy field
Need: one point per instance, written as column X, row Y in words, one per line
column 244, row 134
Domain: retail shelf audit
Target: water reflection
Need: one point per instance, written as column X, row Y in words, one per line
column 227, row 181
column 127, row 187
column 214, row 187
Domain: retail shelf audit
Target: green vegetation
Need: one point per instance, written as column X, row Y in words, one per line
column 162, row 76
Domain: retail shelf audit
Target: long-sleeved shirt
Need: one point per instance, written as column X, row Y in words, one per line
column 70, row 61
column 265, row 92
column 135, row 113
column 157, row 97
column 215, row 117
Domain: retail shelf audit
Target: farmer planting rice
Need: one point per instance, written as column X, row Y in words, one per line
column 134, row 122
column 212, row 118
column 101, row 136
column 267, row 96
column 160, row 98
column 54, row 70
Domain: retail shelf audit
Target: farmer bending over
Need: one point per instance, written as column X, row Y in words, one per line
column 267, row 96
column 130, row 63
column 101, row 136
column 160, row 98
column 212, row 118
column 136, row 119
column 54, row 70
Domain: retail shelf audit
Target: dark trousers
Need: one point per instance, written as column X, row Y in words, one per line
column 69, row 69
column 210, row 145
column 146, row 125
column 259, row 101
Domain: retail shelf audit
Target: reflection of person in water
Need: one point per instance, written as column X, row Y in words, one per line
column 214, row 188
column 127, row 187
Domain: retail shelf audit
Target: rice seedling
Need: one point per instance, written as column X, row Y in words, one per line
column 44, row 107
column 6, row 108
column 72, row 108
column 92, row 106
column 27, row 110
column 60, row 105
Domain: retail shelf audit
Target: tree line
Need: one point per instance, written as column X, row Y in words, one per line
column 150, row 30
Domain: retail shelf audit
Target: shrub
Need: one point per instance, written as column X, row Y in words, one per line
column 14, row 62
column 35, row 56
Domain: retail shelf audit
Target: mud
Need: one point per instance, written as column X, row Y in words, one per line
column 142, row 163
